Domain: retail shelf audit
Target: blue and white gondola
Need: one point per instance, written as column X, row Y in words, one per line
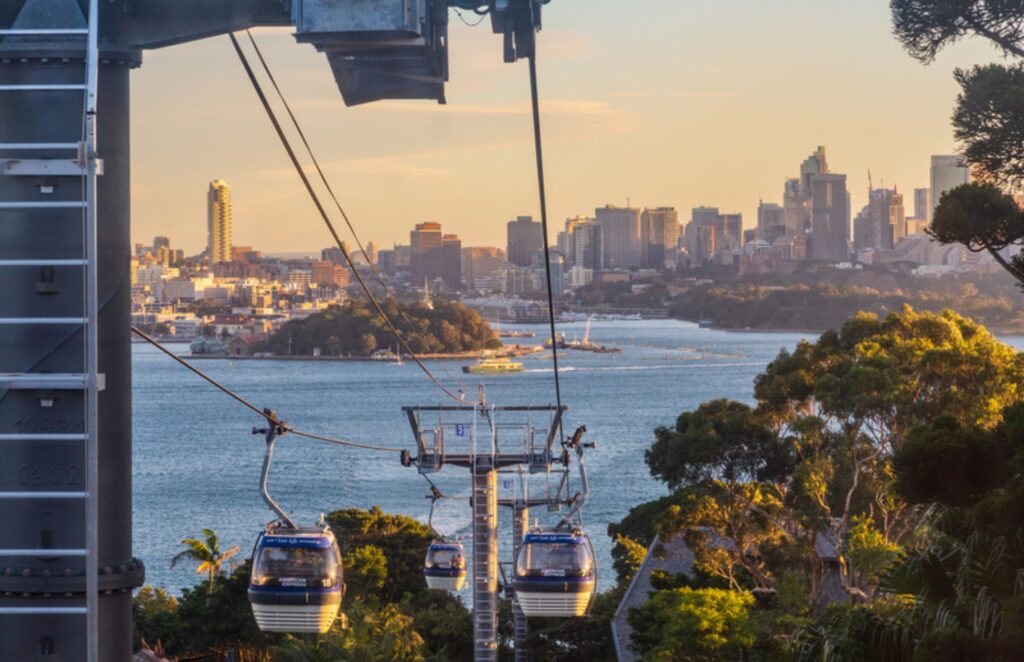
column 296, row 583
column 445, row 566
column 555, row 574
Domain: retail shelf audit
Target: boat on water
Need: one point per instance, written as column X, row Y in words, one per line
column 493, row 366
column 585, row 345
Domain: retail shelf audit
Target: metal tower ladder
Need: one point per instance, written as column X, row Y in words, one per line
column 86, row 166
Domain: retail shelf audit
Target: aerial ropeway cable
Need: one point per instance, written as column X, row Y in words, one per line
column 330, row 225
column 264, row 413
column 334, row 198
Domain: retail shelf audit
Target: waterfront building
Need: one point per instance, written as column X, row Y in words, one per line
column 218, row 222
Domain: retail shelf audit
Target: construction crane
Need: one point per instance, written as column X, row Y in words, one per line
column 65, row 360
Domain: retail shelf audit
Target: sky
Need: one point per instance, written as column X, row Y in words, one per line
column 676, row 103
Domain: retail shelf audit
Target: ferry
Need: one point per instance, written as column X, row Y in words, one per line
column 493, row 366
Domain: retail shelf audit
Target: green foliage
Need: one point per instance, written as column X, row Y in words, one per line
column 826, row 300
column 356, row 329
column 722, row 440
column 201, row 620
column 389, row 612
column 584, row 639
column 402, row 540
column 927, row 26
column 628, row 557
column 366, row 571
column 444, row 623
column 949, row 464
column 206, row 553
column 372, row 634
column 989, row 122
column 694, row 624
column 981, row 217
column 868, row 549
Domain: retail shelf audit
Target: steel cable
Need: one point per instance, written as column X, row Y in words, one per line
column 262, row 412
column 327, row 221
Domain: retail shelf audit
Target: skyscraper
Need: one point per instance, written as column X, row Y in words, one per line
column 479, row 265
column 771, row 221
column 218, row 222
column 525, row 238
column 796, row 208
column 701, row 234
column 622, row 235
column 435, row 255
column 661, row 227
column 923, row 204
column 425, row 242
column 882, row 224
column 582, row 243
column 830, row 218
column 948, row 171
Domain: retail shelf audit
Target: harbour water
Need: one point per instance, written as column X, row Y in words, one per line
column 197, row 465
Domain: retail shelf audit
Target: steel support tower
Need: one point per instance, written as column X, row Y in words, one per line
column 486, row 440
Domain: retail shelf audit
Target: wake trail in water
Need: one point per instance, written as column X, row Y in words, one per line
column 634, row 368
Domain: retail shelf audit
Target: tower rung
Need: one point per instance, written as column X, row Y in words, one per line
column 43, row 552
column 35, row 87
column 43, row 495
column 34, row 381
column 42, row 611
column 48, row 321
column 43, row 436
column 40, row 146
column 58, row 204
column 43, row 263
column 55, row 32
column 46, row 167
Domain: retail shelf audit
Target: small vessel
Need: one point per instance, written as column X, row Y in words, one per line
column 493, row 366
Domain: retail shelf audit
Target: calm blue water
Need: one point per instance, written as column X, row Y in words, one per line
column 197, row 465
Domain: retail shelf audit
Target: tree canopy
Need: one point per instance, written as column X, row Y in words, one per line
column 832, row 480
column 927, row 26
column 356, row 329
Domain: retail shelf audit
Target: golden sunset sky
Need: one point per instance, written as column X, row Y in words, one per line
column 660, row 102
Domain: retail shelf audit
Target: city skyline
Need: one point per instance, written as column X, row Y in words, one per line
column 618, row 127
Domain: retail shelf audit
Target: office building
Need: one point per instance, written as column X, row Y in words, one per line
column 771, row 221
column 882, row 223
column 830, row 218
column 947, row 172
column 701, row 236
column 923, row 204
column 218, row 222
column 435, row 255
column 622, row 235
column 479, row 265
column 582, row 243
column 425, row 243
column 328, row 274
column 525, row 238
column 660, row 227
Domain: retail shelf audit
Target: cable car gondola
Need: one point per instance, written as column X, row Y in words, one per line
column 296, row 583
column 445, row 566
column 555, row 573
